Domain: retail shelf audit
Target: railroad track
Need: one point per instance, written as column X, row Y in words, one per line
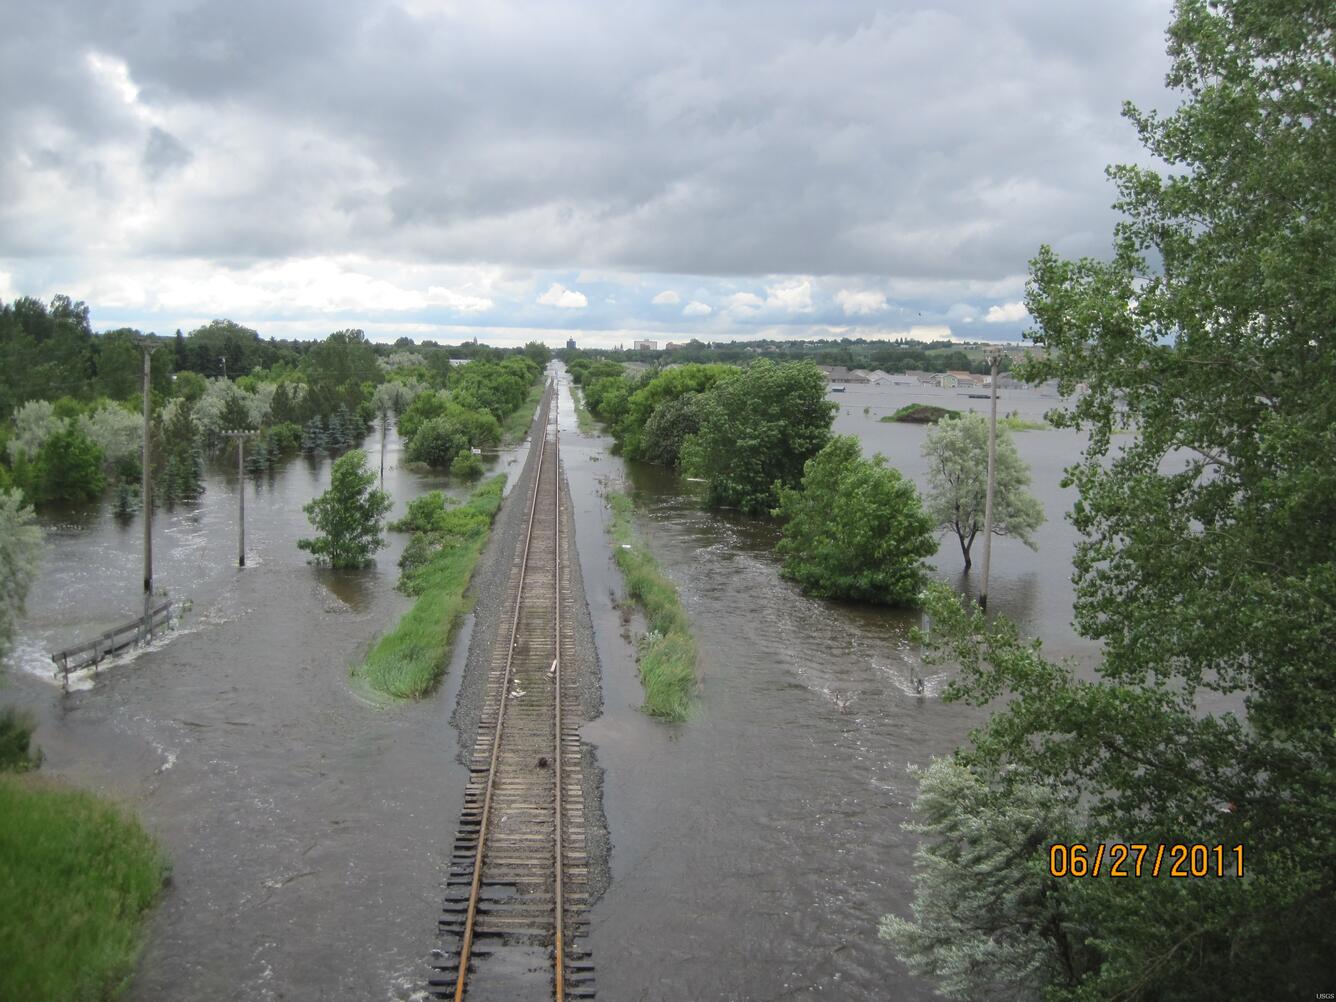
column 517, row 888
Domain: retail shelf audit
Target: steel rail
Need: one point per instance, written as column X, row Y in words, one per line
column 475, row 888
column 556, row 727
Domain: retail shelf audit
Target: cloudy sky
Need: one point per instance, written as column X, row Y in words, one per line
column 514, row 170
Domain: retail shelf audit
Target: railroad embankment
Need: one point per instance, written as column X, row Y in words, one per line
column 77, row 878
column 667, row 652
column 437, row 565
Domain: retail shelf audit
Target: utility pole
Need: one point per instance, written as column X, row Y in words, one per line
column 241, row 437
column 384, row 423
column 994, row 355
column 146, row 487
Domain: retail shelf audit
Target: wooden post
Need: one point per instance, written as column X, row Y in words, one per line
column 384, row 424
column 241, row 436
column 994, row 356
column 146, row 484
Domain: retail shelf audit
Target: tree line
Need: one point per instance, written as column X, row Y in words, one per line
column 855, row 353
column 70, row 404
column 759, row 437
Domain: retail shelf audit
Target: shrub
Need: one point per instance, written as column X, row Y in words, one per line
column 466, row 464
column 15, row 739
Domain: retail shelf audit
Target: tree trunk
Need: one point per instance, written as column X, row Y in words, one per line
column 965, row 547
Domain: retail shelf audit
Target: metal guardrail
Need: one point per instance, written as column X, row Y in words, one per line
column 111, row 642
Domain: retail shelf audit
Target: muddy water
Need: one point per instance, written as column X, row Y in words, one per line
column 308, row 827
column 756, row 845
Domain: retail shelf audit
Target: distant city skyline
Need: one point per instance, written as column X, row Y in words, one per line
column 520, row 171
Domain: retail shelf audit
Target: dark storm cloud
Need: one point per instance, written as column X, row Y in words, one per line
column 740, row 139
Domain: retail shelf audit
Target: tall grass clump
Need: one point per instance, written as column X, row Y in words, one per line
column 667, row 651
column 583, row 418
column 77, row 878
column 436, row 567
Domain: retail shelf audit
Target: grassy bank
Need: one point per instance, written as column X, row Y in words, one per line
column 437, row 565
column 77, row 878
column 516, row 424
column 668, row 651
column 582, row 416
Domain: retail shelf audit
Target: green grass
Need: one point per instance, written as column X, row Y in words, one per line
column 437, row 565
column 920, row 414
column 1014, row 422
column 77, row 877
column 582, row 416
column 667, row 651
column 516, row 424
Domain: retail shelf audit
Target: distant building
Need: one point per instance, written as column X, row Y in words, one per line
column 570, row 343
column 673, row 346
column 841, row 374
column 966, row 378
column 645, row 345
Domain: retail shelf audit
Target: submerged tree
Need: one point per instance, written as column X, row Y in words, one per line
column 957, row 453
column 348, row 517
column 1207, row 568
column 181, row 476
column 855, row 529
column 757, row 429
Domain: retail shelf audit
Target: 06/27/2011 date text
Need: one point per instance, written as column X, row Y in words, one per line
column 1133, row 859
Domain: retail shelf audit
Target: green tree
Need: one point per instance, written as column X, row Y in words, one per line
column 1207, row 566
column 20, row 557
column 957, row 453
column 668, row 428
column 661, row 389
column 189, row 385
column 120, row 363
column 436, row 443
column 989, row 921
column 855, row 529
column 181, row 474
column 757, row 430
column 348, row 518
column 69, row 467
column 538, row 353
column 340, row 364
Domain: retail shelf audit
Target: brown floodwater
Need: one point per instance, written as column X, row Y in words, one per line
column 308, row 825
column 753, row 847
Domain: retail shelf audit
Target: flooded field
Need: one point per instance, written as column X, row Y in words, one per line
column 308, row 826
column 756, row 845
column 753, row 847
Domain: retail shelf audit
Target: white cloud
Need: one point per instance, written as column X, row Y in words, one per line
column 794, row 295
column 860, row 303
column 666, row 298
column 695, row 309
column 1006, row 313
column 567, row 299
column 744, row 304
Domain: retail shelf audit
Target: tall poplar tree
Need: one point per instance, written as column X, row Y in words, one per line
column 1207, row 568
